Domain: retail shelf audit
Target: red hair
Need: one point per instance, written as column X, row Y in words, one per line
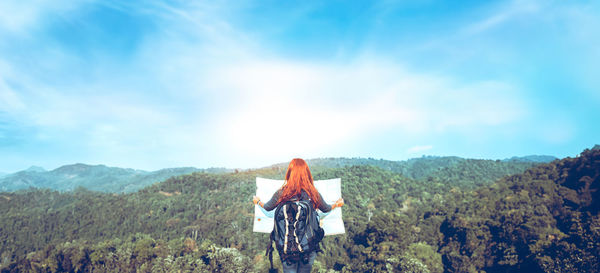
column 298, row 178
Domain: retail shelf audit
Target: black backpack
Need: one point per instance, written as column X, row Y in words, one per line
column 296, row 231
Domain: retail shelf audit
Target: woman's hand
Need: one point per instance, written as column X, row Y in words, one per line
column 338, row 203
column 255, row 200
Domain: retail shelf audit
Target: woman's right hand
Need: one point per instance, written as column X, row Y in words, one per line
column 339, row 203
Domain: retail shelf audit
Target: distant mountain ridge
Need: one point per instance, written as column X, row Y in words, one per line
column 451, row 170
column 416, row 168
column 92, row 177
column 428, row 166
column 532, row 158
column 125, row 180
column 35, row 169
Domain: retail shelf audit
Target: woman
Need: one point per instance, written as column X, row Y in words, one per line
column 298, row 185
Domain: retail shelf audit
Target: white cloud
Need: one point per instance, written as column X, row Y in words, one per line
column 286, row 106
column 511, row 10
column 221, row 99
column 19, row 16
column 9, row 100
column 418, row 149
column 257, row 97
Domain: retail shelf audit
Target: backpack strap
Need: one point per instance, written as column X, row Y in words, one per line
column 271, row 238
column 270, row 252
column 298, row 210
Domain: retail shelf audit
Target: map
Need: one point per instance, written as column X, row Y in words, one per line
column 330, row 189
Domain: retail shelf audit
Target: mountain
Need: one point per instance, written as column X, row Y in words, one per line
column 451, row 169
column 414, row 168
column 544, row 219
column 532, row 158
column 91, row 177
column 32, row 169
column 36, row 169
column 426, row 166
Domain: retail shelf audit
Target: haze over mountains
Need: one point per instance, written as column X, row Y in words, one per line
column 92, row 177
column 125, row 180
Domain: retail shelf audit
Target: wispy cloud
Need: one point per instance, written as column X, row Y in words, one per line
column 200, row 88
column 506, row 12
column 221, row 96
column 319, row 106
column 419, row 149
column 19, row 16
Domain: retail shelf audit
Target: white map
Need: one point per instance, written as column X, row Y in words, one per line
column 330, row 189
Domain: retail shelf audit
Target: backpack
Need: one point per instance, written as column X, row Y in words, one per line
column 296, row 231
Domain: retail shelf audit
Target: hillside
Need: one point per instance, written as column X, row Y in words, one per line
column 451, row 169
column 413, row 168
column 120, row 180
column 532, row 158
column 92, row 177
column 542, row 220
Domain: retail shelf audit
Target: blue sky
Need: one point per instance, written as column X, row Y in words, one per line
column 155, row 84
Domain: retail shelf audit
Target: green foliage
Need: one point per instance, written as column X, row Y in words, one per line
column 428, row 215
column 427, row 256
column 92, row 177
column 544, row 220
column 112, row 179
column 139, row 253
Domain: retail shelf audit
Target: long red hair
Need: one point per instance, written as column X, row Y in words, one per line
column 298, row 178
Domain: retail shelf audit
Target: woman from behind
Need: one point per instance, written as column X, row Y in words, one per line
column 298, row 185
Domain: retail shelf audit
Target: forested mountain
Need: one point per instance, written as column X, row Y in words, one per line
column 118, row 180
column 412, row 168
column 545, row 219
column 532, row 158
column 451, row 169
column 92, row 177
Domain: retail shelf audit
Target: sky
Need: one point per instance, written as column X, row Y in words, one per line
column 246, row 84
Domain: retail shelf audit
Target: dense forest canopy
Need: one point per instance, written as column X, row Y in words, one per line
column 455, row 216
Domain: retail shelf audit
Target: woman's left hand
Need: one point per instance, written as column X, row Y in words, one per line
column 255, row 200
